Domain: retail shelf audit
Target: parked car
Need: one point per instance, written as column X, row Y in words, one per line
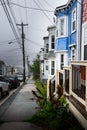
column 20, row 77
column 4, row 86
column 13, row 81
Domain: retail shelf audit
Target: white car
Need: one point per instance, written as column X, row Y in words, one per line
column 4, row 86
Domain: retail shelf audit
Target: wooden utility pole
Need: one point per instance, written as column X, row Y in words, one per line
column 23, row 48
column 28, row 65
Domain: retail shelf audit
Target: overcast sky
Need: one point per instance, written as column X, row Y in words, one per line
column 37, row 21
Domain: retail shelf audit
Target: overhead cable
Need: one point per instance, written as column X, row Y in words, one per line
column 9, row 19
column 33, row 42
column 38, row 9
column 43, row 12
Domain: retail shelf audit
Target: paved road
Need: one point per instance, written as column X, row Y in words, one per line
column 18, row 109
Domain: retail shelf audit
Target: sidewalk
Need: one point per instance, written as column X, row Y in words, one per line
column 20, row 110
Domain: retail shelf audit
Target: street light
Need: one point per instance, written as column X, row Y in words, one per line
column 10, row 42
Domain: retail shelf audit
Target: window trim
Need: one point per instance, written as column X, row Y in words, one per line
column 62, row 27
column 52, row 67
column 52, row 42
column 73, row 54
column 65, row 26
column 47, row 48
column 73, row 20
column 85, row 43
column 61, row 61
column 59, row 32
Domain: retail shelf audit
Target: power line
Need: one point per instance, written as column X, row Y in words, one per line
column 14, row 22
column 26, row 16
column 36, row 29
column 43, row 11
column 38, row 9
column 9, row 18
column 42, row 6
column 13, row 40
column 48, row 4
column 19, row 10
column 33, row 42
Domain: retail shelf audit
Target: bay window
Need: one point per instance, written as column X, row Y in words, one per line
column 74, row 20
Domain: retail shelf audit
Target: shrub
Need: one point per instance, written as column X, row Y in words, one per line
column 54, row 114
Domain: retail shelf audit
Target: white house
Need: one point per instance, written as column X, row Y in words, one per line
column 51, row 54
column 46, row 62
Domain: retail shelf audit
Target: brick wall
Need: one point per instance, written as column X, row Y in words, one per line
column 84, row 14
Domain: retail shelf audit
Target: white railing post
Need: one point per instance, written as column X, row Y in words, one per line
column 70, row 83
column 86, row 90
column 48, row 89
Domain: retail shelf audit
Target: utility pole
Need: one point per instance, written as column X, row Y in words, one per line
column 23, row 48
column 28, row 65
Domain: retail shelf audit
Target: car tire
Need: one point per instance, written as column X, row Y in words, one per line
column 8, row 90
column 0, row 93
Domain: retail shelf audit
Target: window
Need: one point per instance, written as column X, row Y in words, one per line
column 47, row 48
column 62, row 26
column 85, row 52
column 85, row 35
column 46, row 67
column 85, row 43
column 62, row 61
column 52, row 41
column 73, row 53
column 74, row 20
column 52, row 67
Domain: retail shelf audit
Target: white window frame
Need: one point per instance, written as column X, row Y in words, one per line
column 85, row 35
column 52, row 42
column 47, row 48
column 61, row 27
column 65, row 26
column 73, row 54
column 73, row 21
column 85, row 39
column 46, row 67
column 52, row 67
column 61, row 62
column 84, row 43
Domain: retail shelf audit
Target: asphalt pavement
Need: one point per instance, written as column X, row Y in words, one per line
column 18, row 109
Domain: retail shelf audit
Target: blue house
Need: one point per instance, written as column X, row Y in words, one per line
column 68, row 31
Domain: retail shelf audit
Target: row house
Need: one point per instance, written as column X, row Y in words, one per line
column 68, row 38
column 51, row 54
column 47, row 57
column 69, row 56
column 46, row 63
column 68, row 32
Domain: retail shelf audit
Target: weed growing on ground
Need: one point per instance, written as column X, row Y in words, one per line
column 53, row 114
